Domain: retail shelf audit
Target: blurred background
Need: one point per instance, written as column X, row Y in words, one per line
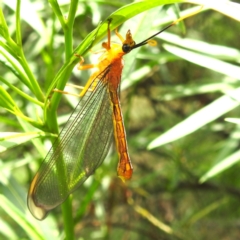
column 180, row 101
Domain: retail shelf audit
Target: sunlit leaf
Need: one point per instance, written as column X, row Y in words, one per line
column 199, row 119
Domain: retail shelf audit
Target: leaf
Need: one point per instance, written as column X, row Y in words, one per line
column 221, row 166
column 206, row 61
column 119, row 17
column 30, row 15
column 228, row 8
column 216, row 51
column 6, row 101
column 19, row 217
column 199, row 119
column 12, row 139
column 233, row 120
column 7, row 230
column 3, row 26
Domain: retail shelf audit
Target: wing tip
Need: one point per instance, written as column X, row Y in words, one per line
column 38, row 212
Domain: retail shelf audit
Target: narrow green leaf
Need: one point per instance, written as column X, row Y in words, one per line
column 6, row 101
column 7, row 230
column 233, row 120
column 199, row 119
column 218, row 51
column 207, row 210
column 30, row 15
column 221, row 166
column 12, row 139
column 3, row 26
column 206, row 61
column 118, row 18
column 228, row 8
column 20, row 218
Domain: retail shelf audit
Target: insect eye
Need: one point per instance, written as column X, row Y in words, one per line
column 126, row 48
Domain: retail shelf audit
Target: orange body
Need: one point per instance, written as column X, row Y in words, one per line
column 112, row 59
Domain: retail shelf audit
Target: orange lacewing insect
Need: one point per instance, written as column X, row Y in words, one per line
column 84, row 142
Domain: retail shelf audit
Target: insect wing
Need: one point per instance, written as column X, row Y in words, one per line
column 82, row 146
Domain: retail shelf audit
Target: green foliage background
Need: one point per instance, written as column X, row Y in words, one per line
column 181, row 108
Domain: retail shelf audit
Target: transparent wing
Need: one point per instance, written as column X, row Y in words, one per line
column 82, row 146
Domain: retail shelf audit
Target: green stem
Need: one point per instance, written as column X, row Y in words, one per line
column 61, row 172
column 49, row 55
column 21, row 58
column 68, row 219
column 57, row 11
column 50, row 115
column 18, row 25
column 68, row 31
column 60, row 80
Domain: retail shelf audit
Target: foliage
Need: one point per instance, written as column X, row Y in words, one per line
column 181, row 107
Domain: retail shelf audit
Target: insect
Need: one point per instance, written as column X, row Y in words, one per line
column 85, row 140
